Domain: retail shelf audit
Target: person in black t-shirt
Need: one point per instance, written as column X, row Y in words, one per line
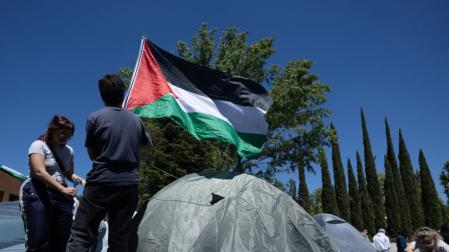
column 114, row 136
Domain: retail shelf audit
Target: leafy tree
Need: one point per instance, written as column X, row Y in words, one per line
column 354, row 199
column 341, row 192
column 291, row 188
column 296, row 121
column 410, row 185
column 429, row 195
column 175, row 152
column 315, row 202
column 296, row 118
column 391, row 200
column 397, row 183
column 328, row 199
column 444, row 179
column 371, row 178
column 366, row 203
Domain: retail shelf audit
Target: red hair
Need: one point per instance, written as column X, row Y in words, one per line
column 58, row 122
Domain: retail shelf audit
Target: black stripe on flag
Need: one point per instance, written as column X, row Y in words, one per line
column 209, row 82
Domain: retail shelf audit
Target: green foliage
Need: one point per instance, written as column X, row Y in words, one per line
column 291, row 188
column 410, row 185
column 444, row 179
column 429, row 195
column 354, row 199
column 303, row 192
column 296, row 121
column 329, row 203
column 366, row 203
column 391, row 200
column 341, row 192
column 371, row 178
column 315, row 202
column 397, row 183
column 233, row 56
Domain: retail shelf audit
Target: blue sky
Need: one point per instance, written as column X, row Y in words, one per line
column 389, row 57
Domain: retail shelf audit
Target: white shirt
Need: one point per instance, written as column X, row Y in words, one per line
column 381, row 242
column 65, row 154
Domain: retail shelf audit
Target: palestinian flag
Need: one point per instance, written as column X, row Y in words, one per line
column 209, row 104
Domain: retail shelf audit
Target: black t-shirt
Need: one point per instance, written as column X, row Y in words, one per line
column 115, row 134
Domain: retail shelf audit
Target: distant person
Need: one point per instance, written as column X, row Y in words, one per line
column 46, row 200
column 401, row 241
column 427, row 240
column 381, row 242
column 113, row 138
column 364, row 233
column 444, row 231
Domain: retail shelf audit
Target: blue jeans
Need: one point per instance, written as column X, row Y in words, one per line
column 47, row 215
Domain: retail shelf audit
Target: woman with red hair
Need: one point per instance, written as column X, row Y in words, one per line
column 46, row 200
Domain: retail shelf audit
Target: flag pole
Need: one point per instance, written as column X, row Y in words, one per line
column 136, row 68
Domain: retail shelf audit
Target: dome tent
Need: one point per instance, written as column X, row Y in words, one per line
column 346, row 237
column 222, row 211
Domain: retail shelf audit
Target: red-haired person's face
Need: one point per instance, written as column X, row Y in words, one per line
column 61, row 136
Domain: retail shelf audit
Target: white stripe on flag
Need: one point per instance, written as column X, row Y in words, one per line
column 244, row 119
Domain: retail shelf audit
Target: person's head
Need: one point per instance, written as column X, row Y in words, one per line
column 381, row 230
column 426, row 238
column 112, row 90
column 365, row 231
column 59, row 131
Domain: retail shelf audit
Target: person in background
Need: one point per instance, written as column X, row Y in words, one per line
column 381, row 242
column 45, row 199
column 401, row 241
column 427, row 240
column 114, row 136
column 364, row 233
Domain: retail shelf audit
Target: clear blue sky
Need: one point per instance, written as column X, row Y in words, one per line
column 389, row 57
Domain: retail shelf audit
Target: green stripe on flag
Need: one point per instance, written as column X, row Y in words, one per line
column 203, row 126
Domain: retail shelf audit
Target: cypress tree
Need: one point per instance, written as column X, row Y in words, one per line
column 328, row 200
column 371, row 178
column 391, row 200
column 365, row 200
column 303, row 191
column 354, row 199
column 341, row 192
column 429, row 195
column 410, row 185
column 397, row 183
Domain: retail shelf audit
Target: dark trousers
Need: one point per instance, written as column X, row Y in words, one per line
column 119, row 202
column 47, row 216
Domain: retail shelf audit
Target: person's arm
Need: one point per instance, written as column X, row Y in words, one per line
column 70, row 174
column 37, row 165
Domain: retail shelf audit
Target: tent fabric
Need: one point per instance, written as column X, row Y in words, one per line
column 346, row 237
column 11, row 225
column 222, row 211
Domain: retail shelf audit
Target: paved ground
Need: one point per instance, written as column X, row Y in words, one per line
column 393, row 247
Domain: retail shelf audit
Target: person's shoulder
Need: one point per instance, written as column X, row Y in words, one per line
column 96, row 113
column 38, row 144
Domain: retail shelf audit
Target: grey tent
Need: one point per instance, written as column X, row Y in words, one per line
column 346, row 237
column 11, row 225
column 221, row 211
